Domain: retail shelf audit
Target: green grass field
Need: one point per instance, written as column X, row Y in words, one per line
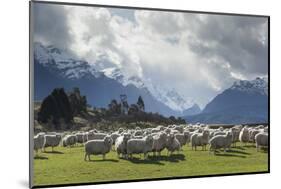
column 67, row 165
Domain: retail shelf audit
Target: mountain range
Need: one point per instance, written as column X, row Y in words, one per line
column 244, row 102
column 54, row 68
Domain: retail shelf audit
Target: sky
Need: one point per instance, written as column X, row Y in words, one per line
column 198, row 55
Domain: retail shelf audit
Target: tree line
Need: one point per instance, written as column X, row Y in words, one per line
column 58, row 110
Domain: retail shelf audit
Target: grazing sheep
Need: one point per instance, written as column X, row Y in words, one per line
column 173, row 131
column 160, row 127
column 39, row 141
column 244, row 135
column 114, row 136
column 140, row 146
column 95, row 136
column 159, row 143
column 51, row 141
column 265, row 129
column 98, row 147
column 235, row 135
column 200, row 139
column 69, row 140
column 219, row 133
column 220, row 141
column 252, row 134
column 81, row 138
column 261, row 140
column 179, row 128
column 120, row 130
column 137, row 137
column 167, row 130
column 155, row 130
column 121, row 145
column 182, row 138
column 138, row 133
column 172, row 144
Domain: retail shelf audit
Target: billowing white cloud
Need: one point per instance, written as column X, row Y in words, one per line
column 198, row 55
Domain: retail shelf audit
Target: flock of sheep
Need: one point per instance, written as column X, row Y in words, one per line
column 154, row 140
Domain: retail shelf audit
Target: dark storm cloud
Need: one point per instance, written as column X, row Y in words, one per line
column 203, row 54
column 241, row 41
column 50, row 25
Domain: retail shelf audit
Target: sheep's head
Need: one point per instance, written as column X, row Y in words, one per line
column 186, row 133
column 170, row 138
column 206, row 133
column 168, row 130
column 120, row 130
column 126, row 136
column 149, row 139
column 108, row 140
column 229, row 134
column 58, row 136
column 163, row 135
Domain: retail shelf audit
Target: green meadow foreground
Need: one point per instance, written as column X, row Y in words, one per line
column 67, row 165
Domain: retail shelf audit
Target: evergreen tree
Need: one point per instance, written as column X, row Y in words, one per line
column 78, row 103
column 140, row 103
column 55, row 107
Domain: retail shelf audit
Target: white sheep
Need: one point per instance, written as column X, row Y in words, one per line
column 159, row 143
column 140, row 146
column 179, row 128
column 172, row 144
column 235, row 135
column 121, row 145
column 98, row 147
column 95, row 136
column 182, row 137
column 69, row 140
column 138, row 133
column 244, row 135
column 39, row 141
column 253, row 133
column 114, row 136
column 200, row 139
column 51, row 141
column 81, row 137
column 261, row 140
column 220, row 141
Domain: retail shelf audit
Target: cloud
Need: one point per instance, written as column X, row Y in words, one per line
column 198, row 55
column 50, row 25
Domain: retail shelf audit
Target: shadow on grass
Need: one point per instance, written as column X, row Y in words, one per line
column 229, row 155
column 239, row 147
column 238, row 152
column 53, row 152
column 156, row 159
column 249, row 146
column 144, row 161
column 263, row 150
column 104, row 160
column 170, row 158
column 41, row 157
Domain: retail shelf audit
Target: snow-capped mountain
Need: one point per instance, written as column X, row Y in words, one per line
column 170, row 97
column 70, row 67
column 167, row 96
column 258, row 85
column 244, row 102
column 116, row 73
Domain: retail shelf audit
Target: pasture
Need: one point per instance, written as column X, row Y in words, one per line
column 67, row 165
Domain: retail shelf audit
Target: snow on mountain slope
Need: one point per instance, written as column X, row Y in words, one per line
column 169, row 97
column 258, row 85
column 71, row 68
column 67, row 64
